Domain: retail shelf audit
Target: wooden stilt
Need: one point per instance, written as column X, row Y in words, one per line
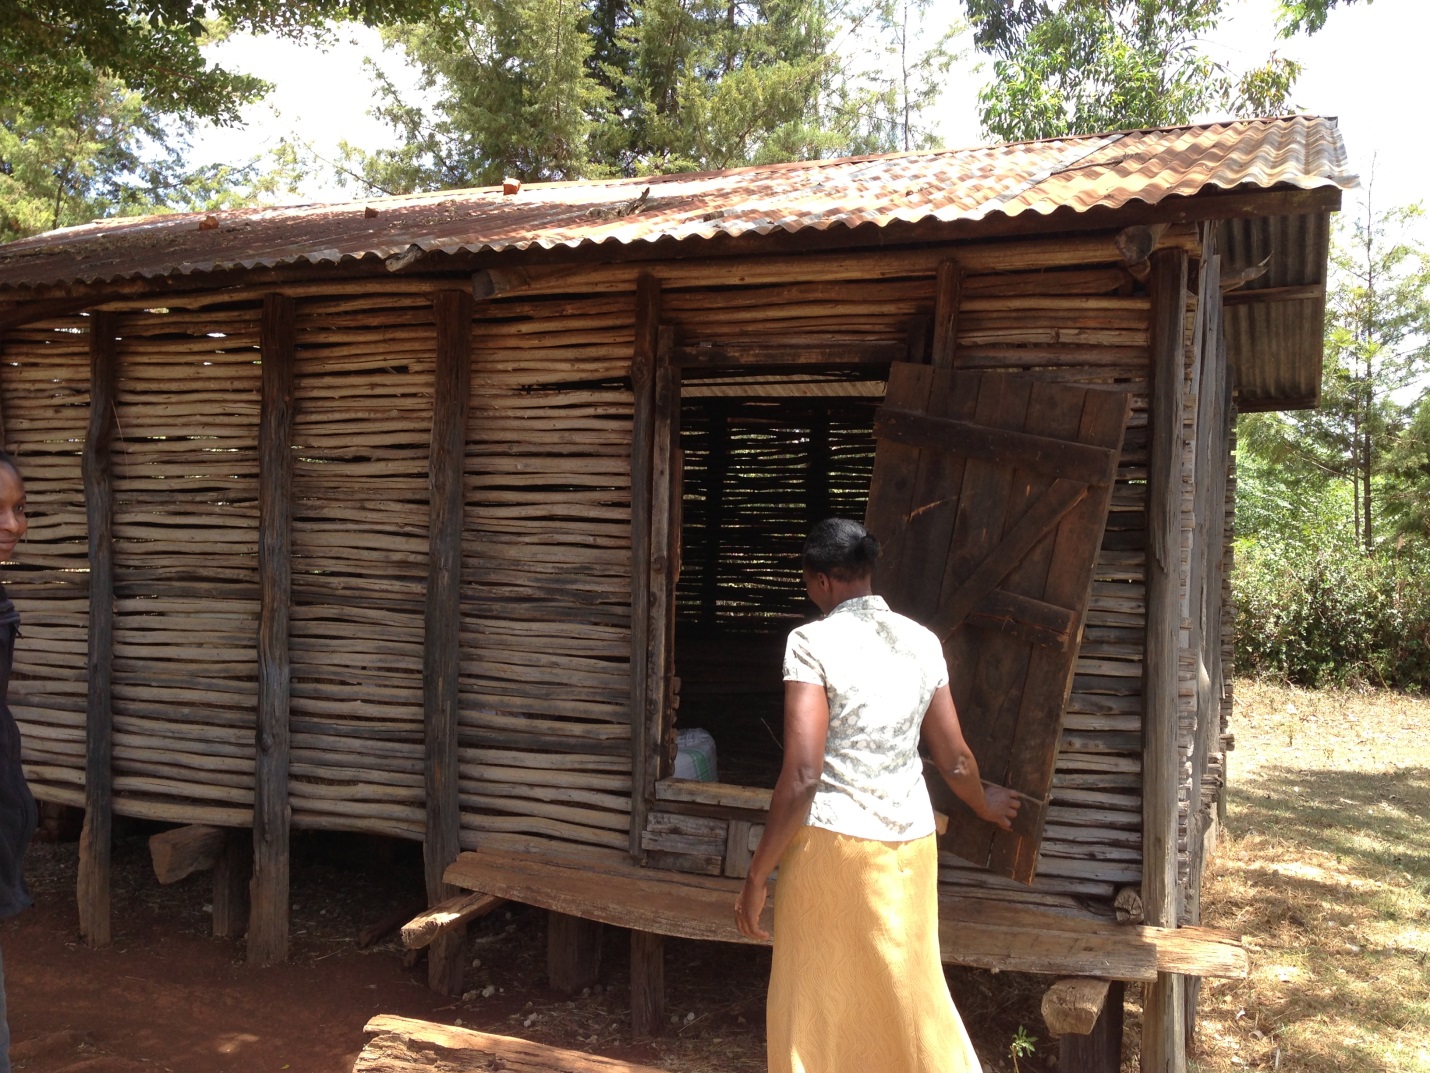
column 573, row 952
column 1100, row 1051
column 949, row 289
column 647, row 983
column 268, row 915
column 442, row 637
column 94, row 841
column 232, row 872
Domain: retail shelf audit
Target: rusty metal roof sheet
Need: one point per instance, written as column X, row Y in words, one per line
column 1103, row 171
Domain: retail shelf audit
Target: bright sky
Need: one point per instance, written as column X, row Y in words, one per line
column 1364, row 67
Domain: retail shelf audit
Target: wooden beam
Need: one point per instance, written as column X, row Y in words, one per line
column 787, row 356
column 1074, row 1004
column 1306, row 292
column 441, row 649
column 1163, row 1049
column 95, row 837
column 948, row 289
column 182, row 851
column 665, row 473
column 643, row 751
column 268, row 911
column 647, row 983
column 404, row 1044
column 454, row 912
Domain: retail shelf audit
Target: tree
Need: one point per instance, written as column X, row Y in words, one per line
column 114, row 155
column 1308, row 16
column 1081, row 66
column 1377, row 350
column 55, row 53
column 556, row 89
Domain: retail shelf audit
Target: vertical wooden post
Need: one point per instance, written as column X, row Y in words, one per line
column 94, row 839
column 947, row 293
column 441, row 650
column 1100, row 1051
column 268, row 910
column 232, row 872
column 643, row 752
column 717, row 471
column 664, row 553
column 573, row 952
column 1163, row 1026
column 647, row 983
column 816, row 472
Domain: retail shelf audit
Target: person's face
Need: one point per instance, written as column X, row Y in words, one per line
column 13, row 522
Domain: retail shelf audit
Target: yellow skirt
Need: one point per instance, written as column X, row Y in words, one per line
column 857, row 983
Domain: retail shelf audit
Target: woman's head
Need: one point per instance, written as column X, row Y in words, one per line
column 13, row 522
column 841, row 549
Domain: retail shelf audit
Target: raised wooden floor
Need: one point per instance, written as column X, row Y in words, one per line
column 983, row 933
column 406, row 1045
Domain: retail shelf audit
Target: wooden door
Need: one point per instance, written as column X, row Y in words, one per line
column 990, row 493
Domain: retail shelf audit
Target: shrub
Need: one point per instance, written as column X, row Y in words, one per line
column 1331, row 614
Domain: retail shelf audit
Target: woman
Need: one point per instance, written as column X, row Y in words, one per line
column 18, row 814
column 857, row 981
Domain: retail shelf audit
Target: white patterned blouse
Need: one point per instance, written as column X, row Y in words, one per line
column 879, row 671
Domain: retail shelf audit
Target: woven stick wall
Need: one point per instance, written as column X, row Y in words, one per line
column 545, row 676
column 362, row 428
column 44, row 380
column 185, row 548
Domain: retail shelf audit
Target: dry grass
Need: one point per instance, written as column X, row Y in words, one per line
column 1325, row 868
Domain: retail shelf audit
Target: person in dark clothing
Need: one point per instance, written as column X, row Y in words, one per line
column 18, row 814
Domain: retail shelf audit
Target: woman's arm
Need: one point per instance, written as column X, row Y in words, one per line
column 806, row 728
column 955, row 762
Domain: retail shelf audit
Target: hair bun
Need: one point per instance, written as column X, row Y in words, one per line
column 868, row 548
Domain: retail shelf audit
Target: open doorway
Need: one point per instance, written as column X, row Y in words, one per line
column 763, row 459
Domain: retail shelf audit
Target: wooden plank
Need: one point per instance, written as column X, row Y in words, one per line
column 1036, row 621
column 406, row 1045
column 1073, row 1005
column 442, row 621
column 977, row 932
column 455, row 911
column 751, row 798
column 643, row 751
column 647, row 983
column 182, row 851
column 948, row 289
column 664, row 559
column 268, row 914
column 1082, row 462
column 97, row 467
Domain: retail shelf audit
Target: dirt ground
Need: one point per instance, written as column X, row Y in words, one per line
column 167, row 996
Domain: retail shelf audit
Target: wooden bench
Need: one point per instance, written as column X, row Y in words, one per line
column 407, row 1045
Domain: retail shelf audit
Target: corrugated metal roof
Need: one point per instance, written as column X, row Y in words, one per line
column 1104, row 171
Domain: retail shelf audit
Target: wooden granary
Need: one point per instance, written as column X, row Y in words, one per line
column 440, row 516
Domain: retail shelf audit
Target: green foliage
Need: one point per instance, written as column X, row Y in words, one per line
column 1307, row 16
column 1328, row 613
column 114, row 156
column 1407, row 485
column 1022, row 1046
column 1089, row 65
column 54, row 53
column 560, row 89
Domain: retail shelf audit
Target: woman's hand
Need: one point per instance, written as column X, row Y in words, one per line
column 1000, row 805
column 748, row 907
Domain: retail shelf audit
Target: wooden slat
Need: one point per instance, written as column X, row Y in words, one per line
column 776, row 355
column 1086, row 463
column 268, row 911
column 452, row 311
column 95, row 838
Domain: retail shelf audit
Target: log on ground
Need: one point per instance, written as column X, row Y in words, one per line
column 406, row 1045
